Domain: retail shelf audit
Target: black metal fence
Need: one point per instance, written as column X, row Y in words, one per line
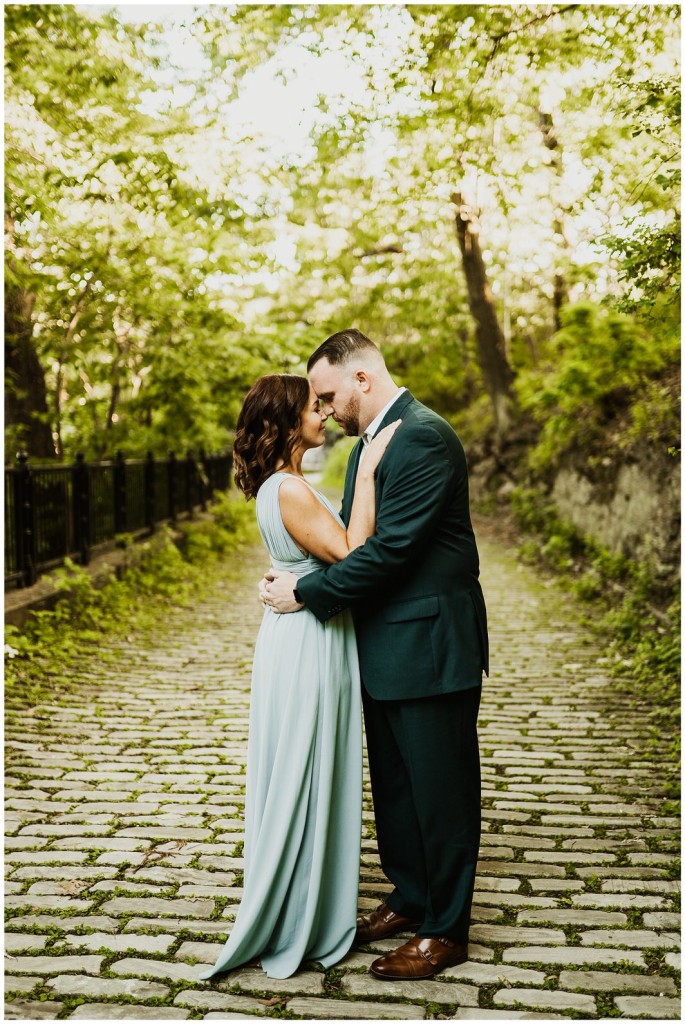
column 55, row 512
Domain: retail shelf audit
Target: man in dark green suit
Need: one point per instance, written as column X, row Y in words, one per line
column 422, row 637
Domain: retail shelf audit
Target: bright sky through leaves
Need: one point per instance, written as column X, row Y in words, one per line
column 212, row 189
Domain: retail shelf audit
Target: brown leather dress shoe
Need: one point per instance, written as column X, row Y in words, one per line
column 420, row 958
column 382, row 923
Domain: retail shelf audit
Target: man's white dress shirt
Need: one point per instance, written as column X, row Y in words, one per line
column 371, row 430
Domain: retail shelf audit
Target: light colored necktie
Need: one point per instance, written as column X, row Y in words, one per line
column 366, row 441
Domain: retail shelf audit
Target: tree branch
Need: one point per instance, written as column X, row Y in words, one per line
column 381, row 250
column 497, row 39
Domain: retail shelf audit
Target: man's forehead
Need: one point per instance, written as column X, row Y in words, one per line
column 324, row 377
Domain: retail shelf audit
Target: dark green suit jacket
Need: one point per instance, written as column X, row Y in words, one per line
column 413, row 586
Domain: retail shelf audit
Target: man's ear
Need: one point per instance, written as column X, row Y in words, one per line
column 362, row 379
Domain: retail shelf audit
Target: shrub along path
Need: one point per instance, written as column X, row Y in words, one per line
column 124, row 820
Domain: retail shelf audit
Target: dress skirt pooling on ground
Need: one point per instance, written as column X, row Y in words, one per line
column 304, row 780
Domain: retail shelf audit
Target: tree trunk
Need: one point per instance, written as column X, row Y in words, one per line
column 62, row 364
column 26, row 403
column 114, row 397
column 551, row 142
column 498, row 375
column 26, row 406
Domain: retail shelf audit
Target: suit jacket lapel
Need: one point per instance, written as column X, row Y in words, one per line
column 395, row 412
column 350, row 477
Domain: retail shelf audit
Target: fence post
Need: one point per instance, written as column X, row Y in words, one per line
column 203, row 480
column 119, row 493
column 190, row 481
column 25, row 525
column 172, row 478
column 81, row 509
column 150, row 492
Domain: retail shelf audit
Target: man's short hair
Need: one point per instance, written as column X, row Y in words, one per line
column 341, row 346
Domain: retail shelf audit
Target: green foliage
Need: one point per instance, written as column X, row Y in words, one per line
column 651, row 258
column 175, row 255
column 597, row 363
column 437, row 366
column 651, row 671
column 335, row 466
column 230, row 520
column 650, row 252
column 640, row 619
column 45, row 655
column 126, row 252
column 606, row 1007
column 655, row 413
column 533, row 512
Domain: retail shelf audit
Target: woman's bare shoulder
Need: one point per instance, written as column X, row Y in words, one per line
column 294, row 491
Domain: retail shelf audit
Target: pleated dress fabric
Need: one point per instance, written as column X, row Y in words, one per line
column 304, row 779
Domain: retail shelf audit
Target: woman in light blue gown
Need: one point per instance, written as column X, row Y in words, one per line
column 304, row 761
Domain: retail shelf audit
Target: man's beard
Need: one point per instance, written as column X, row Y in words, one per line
column 349, row 420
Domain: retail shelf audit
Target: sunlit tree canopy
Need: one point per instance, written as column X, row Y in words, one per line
column 198, row 195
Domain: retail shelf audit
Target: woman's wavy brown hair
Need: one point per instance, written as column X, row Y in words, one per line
column 268, row 428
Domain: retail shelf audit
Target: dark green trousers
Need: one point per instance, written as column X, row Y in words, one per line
column 425, row 779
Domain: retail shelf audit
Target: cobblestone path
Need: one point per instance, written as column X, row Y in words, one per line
column 124, row 818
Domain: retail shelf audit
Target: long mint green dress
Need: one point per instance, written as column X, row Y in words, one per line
column 304, row 779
